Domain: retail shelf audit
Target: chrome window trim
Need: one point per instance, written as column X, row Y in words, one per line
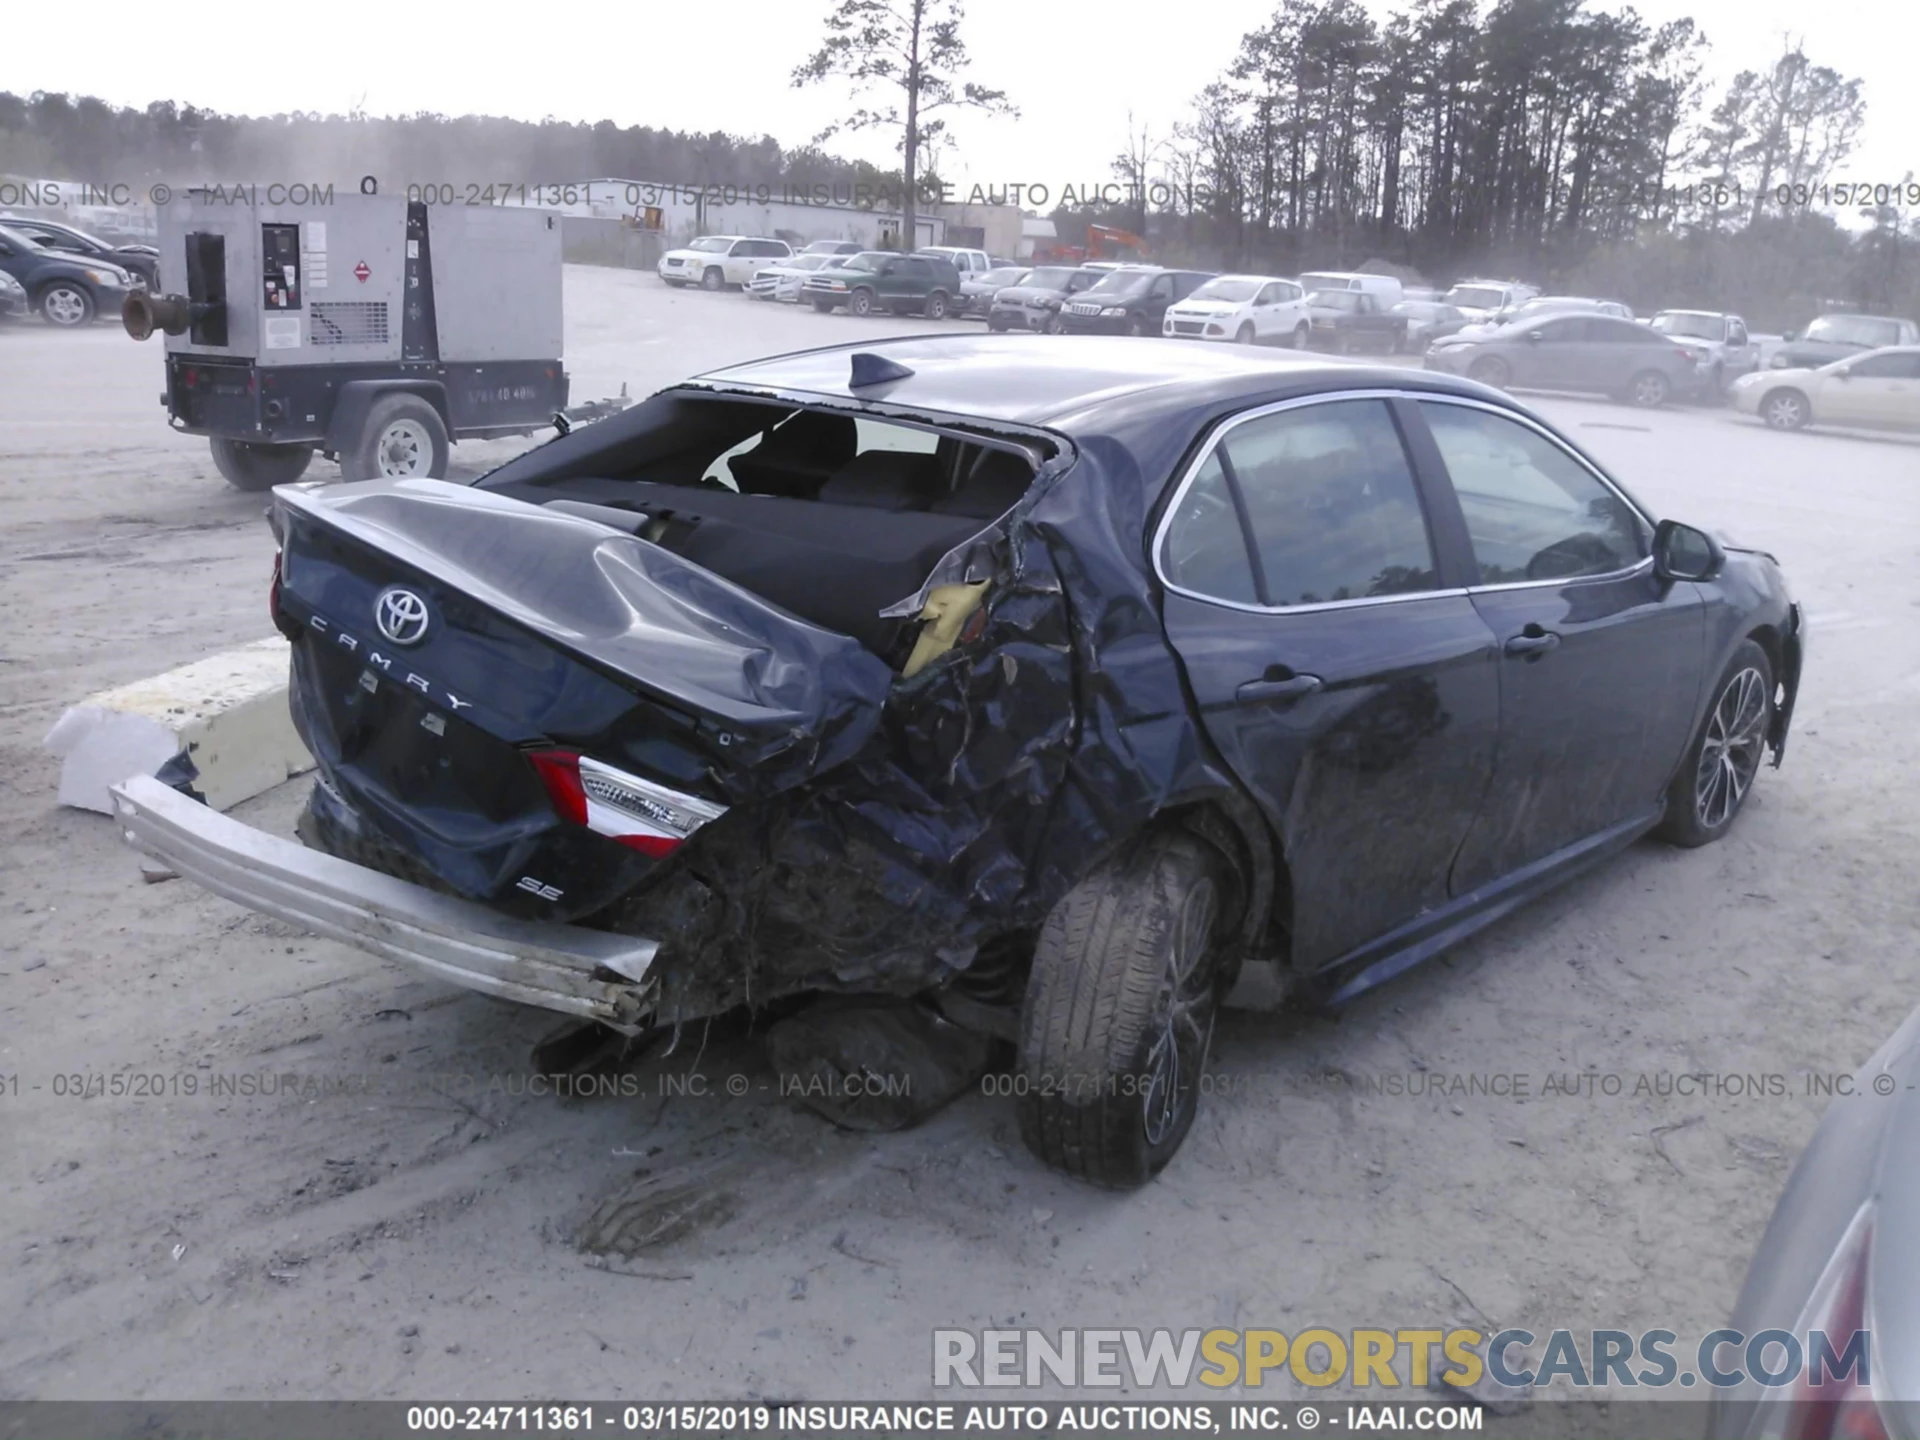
column 1299, row 402
column 1220, row 433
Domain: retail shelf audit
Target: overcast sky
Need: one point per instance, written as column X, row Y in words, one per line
column 1075, row 70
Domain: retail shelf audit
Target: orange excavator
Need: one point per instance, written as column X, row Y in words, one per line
column 1104, row 242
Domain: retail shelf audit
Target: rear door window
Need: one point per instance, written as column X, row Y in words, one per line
column 1331, row 504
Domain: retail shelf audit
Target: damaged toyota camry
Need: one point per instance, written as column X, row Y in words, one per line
column 1058, row 692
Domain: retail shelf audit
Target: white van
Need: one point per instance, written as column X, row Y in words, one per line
column 1385, row 288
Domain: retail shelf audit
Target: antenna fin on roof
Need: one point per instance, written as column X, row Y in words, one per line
column 870, row 369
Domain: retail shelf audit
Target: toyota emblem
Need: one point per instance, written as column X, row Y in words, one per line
column 401, row 616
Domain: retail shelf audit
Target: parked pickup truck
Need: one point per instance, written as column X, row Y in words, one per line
column 1722, row 349
column 1347, row 320
column 1841, row 337
column 879, row 280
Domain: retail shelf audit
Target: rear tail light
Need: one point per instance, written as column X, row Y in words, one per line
column 1835, row 1406
column 625, row 808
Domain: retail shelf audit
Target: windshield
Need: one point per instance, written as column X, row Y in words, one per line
column 1679, row 322
column 1120, row 282
column 1853, row 330
column 1235, row 291
column 868, row 260
column 1325, row 284
column 1336, row 299
column 18, row 241
column 712, row 244
column 1049, row 279
column 1477, row 297
column 809, row 262
column 1002, row 277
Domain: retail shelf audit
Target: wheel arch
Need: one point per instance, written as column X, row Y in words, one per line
column 1228, row 823
column 357, row 399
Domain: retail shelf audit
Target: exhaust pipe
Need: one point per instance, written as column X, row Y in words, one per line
column 143, row 313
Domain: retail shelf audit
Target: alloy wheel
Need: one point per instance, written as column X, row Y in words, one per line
column 65, row 306
column 1731, row 752
column 1183, row 1017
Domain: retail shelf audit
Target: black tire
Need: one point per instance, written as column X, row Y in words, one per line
column 403, row 438
column 713, row 278
column 860, row 302
column 1649, row 390
column 1245, row 335
column 1717, row 386
column 65, row 303
column 1717, row 775
column 937, row 305
column 1119, row 1013
column 1302, row 333
column 251, row 467
column 1136, row 326
column 825, row 307
column 1785, row 408
column 1054, row 324
column 1491, row 370
column 994, row 325
column 676, row 284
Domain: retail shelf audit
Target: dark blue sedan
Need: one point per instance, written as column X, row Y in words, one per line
column 1047, row 690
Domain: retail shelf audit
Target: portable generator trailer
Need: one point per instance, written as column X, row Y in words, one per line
column 371, row 329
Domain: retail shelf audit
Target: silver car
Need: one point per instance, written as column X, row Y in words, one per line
column 977, row 291
column 1572, row 352
column 1841, row 1256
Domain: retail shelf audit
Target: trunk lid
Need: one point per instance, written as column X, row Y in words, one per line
column 442, row 635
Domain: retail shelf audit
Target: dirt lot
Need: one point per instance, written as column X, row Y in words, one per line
column 413, row 1232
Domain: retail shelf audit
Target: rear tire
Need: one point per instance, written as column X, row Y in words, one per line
column 1721, row 764
column 402, row 439
column 937, row 305
column 66, row 304
column 252, row 467
column 1119, row 1013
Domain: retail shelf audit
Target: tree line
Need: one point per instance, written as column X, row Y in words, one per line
column 1544, row 139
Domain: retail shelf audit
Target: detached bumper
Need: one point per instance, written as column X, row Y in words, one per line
column 586, row 973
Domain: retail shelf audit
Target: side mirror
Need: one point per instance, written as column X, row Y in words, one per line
column 1681, row 552
column 1845, row 372
column 1789, row 334
column 1534, row 337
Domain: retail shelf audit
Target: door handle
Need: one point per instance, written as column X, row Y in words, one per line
column 1292, row 688
column 1533, row 640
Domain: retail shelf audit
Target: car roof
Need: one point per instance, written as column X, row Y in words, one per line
column 1085, row 381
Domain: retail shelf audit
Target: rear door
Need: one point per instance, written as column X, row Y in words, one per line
column 1338, row 664
column 1600, row 666
column 1880, row 390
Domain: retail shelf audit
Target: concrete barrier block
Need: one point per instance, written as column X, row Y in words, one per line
column 228, row 714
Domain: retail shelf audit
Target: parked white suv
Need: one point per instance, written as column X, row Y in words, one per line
column 967, row 262
column 1250, row 309
column 714, row 262
column 1481, row 300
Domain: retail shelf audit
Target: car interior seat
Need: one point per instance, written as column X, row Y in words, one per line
column 798, row 456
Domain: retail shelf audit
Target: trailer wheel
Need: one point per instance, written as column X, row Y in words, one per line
column 249, row 466
column 404, row 439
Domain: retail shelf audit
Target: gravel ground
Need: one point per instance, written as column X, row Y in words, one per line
column 400, row 1217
